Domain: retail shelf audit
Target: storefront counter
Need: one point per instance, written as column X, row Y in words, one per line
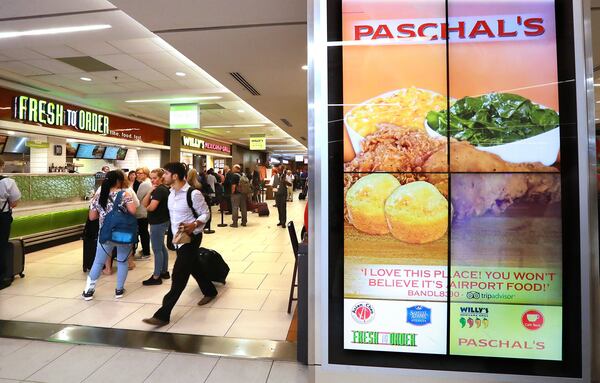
column 41, row 189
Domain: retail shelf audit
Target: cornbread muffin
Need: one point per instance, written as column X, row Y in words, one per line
column 417, row 213
column 365, row 201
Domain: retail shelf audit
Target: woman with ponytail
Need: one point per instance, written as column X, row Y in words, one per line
column 102, row 204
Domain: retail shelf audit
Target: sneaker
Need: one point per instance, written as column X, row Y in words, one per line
column 233, row 225
column 155, row 321
column 152, row 281
column 88, row 295
column 142, row 257
column 165, row 275
column 119, row 293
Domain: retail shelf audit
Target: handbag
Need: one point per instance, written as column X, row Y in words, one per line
column 181, row 237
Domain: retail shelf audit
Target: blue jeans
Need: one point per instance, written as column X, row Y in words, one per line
column 105, row 250
column 161, row 255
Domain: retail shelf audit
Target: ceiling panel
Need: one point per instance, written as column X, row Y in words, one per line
column 21, row 68
column 95, row 48
column 151, row 75
column 122, row 62
column 56, row 51
column 114, row 76
column 54, row 66
column 209, row 13
column 145, row 45
column 21, row 54
column 20, row 8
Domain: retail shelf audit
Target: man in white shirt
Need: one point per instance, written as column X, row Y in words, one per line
column 289, row 179
column 143, row 177
column 9, row 197
column 191, row 220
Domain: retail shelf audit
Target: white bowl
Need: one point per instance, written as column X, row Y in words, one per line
column 542, row 148
column 356, row 138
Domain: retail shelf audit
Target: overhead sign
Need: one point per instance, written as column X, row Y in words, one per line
column 198, row 143
column 31, row 109
column 184, row 116
column 258, row 142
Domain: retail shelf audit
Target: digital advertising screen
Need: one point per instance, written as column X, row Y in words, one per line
column 90, row 151
column 454, row 213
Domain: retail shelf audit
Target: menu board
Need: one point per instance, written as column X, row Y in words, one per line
column 452, row 178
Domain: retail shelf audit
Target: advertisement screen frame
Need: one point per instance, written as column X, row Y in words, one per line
column 571, row 365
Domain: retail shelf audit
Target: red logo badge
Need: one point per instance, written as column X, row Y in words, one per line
column 532, row 320
column 363, row 313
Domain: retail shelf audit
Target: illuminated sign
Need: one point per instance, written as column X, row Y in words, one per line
column 198, row 143
column 51, row 113
column 258, row 142
column 184, row 116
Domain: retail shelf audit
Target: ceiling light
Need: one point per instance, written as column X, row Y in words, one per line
column 85, row 78
column 181, row 99
column 53, row 31
column 218, row 126
column 10, row 133
column 180, row 74
column 138, row 148
column 248, row 126
column 596, row 84
column 228, row 131
column 241, row 111
column 304, row 67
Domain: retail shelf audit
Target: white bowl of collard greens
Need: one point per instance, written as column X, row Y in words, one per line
column 508, row 125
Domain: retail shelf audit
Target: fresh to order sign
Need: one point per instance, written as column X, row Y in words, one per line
column 51, row 113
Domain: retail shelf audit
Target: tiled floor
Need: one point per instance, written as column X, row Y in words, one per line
column 253, row 303
column 33, row 361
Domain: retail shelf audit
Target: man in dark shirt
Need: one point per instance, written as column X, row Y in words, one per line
column 238, row 199
column 227, row 188
column 281, row 196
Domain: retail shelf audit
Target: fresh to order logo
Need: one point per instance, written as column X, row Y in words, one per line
column 532, row 320
column 384, row 338
column 418, row 315
column 363, row 313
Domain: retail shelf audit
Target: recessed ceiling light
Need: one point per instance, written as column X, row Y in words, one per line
column 248, row 126
column 596, row 84
column 241, row 111
column 304, row 67
column 181, row 99
column 10, row 133
column 85, row 78
column 53, row 31
column 228, row 131
column 180, row 74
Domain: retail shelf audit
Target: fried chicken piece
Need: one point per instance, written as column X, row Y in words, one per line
column 394, row 149
column 478, row 194
column 464, row 157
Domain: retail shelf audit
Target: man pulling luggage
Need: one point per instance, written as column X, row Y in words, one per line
column 187, row 223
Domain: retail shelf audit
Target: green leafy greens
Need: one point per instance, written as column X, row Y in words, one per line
column 493, row 119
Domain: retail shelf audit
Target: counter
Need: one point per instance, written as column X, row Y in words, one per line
column 52, row 187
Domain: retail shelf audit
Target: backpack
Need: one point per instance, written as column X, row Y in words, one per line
column 191, row 203
column 119, row 226
column 244, row 186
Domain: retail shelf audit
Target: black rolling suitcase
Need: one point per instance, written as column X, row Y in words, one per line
column 90, row 242
column 213, row 264
column 14, row 263
column 263, row 209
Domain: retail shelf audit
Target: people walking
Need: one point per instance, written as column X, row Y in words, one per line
column 289, row 183
column 143, row 177
column 111, row 196
column 240, row 188
column 281, row 196
column 9, row 197
column 187, row 222
column 156, row 203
